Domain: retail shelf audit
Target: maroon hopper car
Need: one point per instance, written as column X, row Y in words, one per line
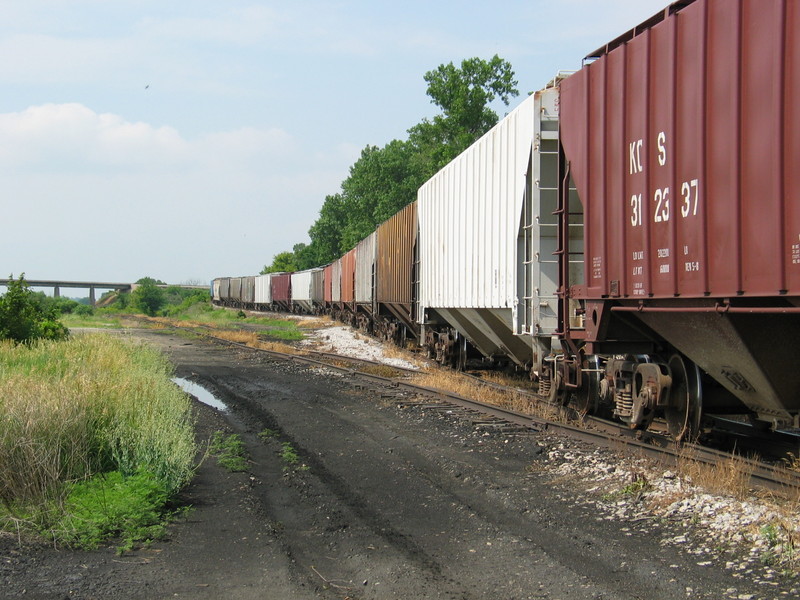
column 282, row 290
column 683, row 141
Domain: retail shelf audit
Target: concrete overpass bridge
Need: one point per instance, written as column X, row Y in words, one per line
column 92, row 286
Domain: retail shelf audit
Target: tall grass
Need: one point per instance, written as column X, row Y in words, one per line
column 94, row 404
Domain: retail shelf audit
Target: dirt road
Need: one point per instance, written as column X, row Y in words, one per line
column 387, row 501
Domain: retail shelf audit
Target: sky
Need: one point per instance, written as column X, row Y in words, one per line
column 187, row 140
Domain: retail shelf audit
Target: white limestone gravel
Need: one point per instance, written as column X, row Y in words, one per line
column 347, row 342
column 763, row 532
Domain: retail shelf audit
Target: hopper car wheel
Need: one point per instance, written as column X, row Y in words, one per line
column 587, row 399
column 685, row 399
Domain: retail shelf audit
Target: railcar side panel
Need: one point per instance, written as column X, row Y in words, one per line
column 336, row 281
column 762, row 132
column 281, row 288
column 236, row 290
column 216, row 285
column 224, row 289
column 328, row 284
column 248, row 290
column 348, row 276
column 301, row 290
column 593, row 142
column 470, row 218
column 723, row 128
column 395, row 257
column 700, row 171
column 365, row 270
column 263, row 295
column 637, row 227
column 690, row 181
column 317, row 287
column 791, row 154
column 661, row 127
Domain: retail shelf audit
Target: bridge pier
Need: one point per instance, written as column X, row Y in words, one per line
column 56, row 292
column 92, row 300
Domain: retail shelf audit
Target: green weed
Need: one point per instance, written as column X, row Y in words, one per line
column 230, row 451
column 112, row 505
column 290, row 456
column 267, row 433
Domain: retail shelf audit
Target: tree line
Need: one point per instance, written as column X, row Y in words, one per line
column 384, row 180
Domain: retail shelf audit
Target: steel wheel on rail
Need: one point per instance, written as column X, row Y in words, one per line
column 587, row 399
column 685, row 399
column 461, row 353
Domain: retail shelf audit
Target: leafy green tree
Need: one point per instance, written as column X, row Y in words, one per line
column 283, row 262
column 464, row 95
column 326, row 232
column 381, row 182
column 304, row 256
column 23, row 317
column 147, row 297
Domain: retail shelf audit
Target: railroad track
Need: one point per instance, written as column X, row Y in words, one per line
column 593, row 430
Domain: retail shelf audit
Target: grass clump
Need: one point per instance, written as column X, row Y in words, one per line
column 291, row 457
column 267, row 433
column 230, row 451
column 289, row 454
column 91, row 415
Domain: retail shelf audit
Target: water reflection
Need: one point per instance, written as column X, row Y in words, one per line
column 201, row 393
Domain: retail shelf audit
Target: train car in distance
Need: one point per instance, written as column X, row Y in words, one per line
column 303, row 290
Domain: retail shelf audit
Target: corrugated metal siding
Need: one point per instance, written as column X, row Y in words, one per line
column 225, row 288
column 469, row 218
column 215, row 289
column 394, row 260
column 349, row 275
column 249, row 289
column 263, row 291
column 281, row 287
column 365, row 269
column 301, row 286
column 328, row 284
column 318, row 286
column 236, row 289
column 336, row 280
column 692, row 175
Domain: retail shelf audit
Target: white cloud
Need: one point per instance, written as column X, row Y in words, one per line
column 49, row 136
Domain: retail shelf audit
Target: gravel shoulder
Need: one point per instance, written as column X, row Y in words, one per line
column 388, row 500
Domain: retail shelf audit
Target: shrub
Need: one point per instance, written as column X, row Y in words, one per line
column 23, row 318
column 83, row 310
column 147, row 297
